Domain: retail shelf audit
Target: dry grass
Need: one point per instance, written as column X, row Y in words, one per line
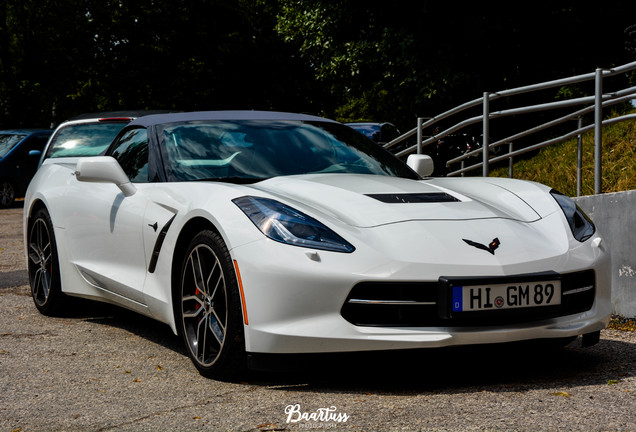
column 556, row 165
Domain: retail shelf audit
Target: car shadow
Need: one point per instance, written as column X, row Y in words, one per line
column 14, row 281
column 498, row 367
column 501, row 367
column 106, row 314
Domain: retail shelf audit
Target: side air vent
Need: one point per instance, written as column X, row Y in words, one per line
column 414, row 198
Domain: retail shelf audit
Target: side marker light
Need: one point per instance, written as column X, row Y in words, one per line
column 240, row 284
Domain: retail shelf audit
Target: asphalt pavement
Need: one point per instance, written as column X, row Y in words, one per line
column 101, row 368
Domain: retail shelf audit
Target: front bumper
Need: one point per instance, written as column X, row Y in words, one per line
column 296, row 298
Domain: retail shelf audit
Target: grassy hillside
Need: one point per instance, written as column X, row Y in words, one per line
column 556, row 165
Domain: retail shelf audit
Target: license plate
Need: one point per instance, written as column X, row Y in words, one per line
column 506, row 296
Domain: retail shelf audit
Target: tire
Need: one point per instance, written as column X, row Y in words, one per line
column 43, row 265
column 7, row 194
column 208, row 309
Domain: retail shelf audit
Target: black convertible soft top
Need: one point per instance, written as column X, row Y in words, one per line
column 223, row 115
column 118, row 114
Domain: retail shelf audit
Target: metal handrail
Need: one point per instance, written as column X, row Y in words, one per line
column 546, row 125
column 547, row 143
column 599, row 101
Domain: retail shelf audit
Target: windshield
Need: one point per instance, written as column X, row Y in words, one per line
column 7, row 142
column 84, row 139
column 254, row 150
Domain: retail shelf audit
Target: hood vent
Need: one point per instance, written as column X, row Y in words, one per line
column 414, row 198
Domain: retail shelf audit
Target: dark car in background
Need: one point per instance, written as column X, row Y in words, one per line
column 20, row 152
column 381, row 133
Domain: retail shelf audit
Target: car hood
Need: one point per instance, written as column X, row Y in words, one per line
column 368, row 200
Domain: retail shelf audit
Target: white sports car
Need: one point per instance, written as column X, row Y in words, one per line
column 270, row 233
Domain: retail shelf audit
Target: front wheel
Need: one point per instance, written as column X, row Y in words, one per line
column 43, row 266
column 208, row 308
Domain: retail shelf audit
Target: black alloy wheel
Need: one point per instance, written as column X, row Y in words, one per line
column 7, row 194
column 209, row 308
column 43, row 265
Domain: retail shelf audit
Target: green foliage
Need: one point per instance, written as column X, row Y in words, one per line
column 36, row 35
column 64, row 57
column 345, row 59
column 430, row 56
column 365, row 55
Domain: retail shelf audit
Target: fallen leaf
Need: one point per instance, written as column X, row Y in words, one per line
column 562, row 394
column 612, row 382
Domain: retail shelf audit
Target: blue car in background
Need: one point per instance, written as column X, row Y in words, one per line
column 20, row 152
column 381, row 133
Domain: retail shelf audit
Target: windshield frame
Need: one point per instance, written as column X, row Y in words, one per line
column 83, row 138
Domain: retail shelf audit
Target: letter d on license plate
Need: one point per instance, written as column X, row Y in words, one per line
column 506, row 296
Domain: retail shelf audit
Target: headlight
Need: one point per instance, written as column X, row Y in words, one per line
column 287, row 225
column 580, row 224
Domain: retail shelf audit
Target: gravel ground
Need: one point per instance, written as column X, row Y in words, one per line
column 11, row 244
column 105, row 369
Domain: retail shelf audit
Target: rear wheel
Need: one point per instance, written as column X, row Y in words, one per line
column 44, row 269
column 209, row 309
column 7, row 194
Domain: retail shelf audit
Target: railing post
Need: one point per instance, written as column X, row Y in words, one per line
column 579, row 158
column 486, row 133
column 419, row 135
column 598, row 132
column 511, row 161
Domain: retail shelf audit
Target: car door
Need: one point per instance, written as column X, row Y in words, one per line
column 105, row 230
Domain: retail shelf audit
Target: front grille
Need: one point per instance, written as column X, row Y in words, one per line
column 427, row 304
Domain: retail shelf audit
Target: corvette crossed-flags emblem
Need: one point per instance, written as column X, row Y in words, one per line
column 492, row 246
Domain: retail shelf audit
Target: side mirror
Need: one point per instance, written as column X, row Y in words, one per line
column 104, row 169
column 421, row 164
